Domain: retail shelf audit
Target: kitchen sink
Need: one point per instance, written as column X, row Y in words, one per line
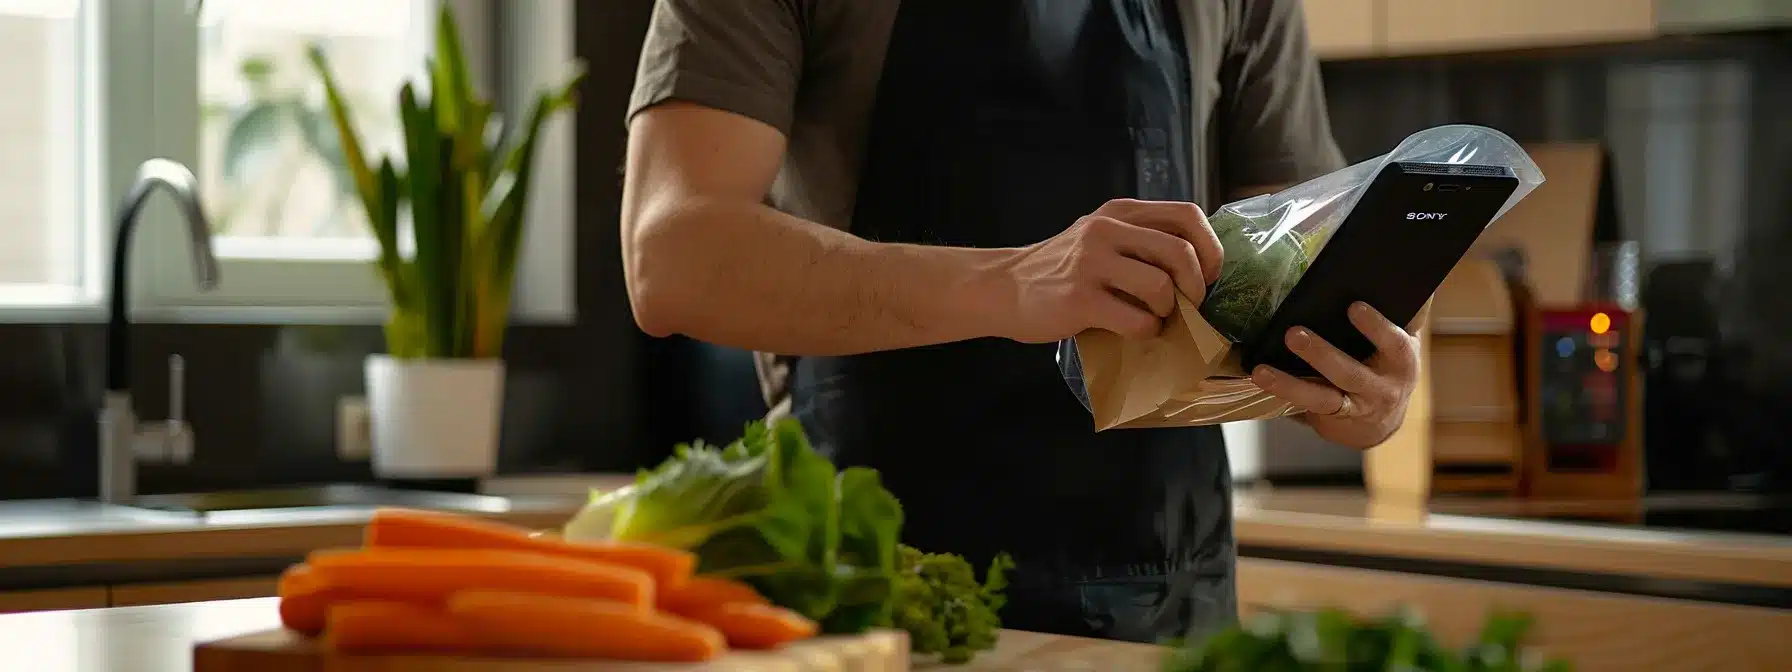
column 286, row 502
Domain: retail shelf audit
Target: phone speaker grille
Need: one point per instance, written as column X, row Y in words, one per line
column 1454, row 169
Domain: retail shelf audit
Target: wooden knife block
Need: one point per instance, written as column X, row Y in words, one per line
column 1464, row 429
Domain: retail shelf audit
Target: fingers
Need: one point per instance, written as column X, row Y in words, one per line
column 1177, row 218
column 1118, row 315
column 1312, row 396
column 1165, row 251
column 1398, row 354
column 1148, row 284
column 1419, row 319
column 1342, row 370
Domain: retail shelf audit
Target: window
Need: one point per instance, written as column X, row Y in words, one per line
column 270, row 164
column 288, row 228
column 41, row 186
column 223, row 86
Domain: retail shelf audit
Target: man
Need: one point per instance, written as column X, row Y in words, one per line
column 911, row 201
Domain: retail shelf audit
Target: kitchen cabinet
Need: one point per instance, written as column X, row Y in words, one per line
column 46, row 600
column 1343, row 28
column 1455, row 26
column 1597, row 631
column 142, row 594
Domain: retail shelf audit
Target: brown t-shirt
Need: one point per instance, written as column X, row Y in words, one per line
column 810, row 69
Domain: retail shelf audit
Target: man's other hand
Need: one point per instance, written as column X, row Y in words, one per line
column 1118, row 269
column 1365, row 401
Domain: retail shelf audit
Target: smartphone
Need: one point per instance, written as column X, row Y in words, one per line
column 1413, row 223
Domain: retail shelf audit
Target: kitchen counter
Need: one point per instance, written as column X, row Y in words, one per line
column 48, row 545
column 1580, row 535
column 68, row 532
column 1685, row 599
column 1517, row 540
column 161, row 639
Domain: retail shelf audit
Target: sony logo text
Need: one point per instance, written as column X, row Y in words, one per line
column 1427, row 216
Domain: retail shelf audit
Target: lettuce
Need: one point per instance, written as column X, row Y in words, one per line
column 1333, row 639
column 1260, row 269
column 769, row 510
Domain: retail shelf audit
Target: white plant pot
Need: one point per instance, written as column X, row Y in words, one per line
column 434, row 418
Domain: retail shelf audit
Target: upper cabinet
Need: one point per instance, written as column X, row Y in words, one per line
column 1433, row 26
column 1362, row 28
column 1343, row 28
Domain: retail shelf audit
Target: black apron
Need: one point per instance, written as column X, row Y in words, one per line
column 998, row 123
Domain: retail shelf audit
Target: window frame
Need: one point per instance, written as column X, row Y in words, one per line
column 112, row 73
column 145, row 56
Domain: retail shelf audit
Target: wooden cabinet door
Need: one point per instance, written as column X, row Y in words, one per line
column 1343, row 28
column 1596, row 631
column 50, row 600
column 141, row 594
column 1443, row 26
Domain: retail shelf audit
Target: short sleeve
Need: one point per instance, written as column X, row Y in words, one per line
column 739, row 56
column 1275, row 125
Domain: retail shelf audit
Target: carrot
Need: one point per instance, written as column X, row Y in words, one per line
column 378, row 625
column 583, row 628
column 304, row 600
column 430, row 575
column 702, row 592
column 756, row 626
column 432, row 529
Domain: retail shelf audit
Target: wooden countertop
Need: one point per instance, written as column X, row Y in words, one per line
column 161, row 639
column 1334, row 521
column 88, row 533
column 1484, row 532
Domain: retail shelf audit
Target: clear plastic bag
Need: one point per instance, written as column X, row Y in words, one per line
column 1188, row 374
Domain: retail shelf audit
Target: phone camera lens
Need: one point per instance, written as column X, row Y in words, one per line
column 1429, row 186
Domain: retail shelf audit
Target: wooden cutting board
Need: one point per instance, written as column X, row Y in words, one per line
column 286, row 651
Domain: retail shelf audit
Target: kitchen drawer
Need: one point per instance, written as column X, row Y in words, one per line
column 1439, row 26
column 140, row 594
column 1477, row 442
column 1597, row 631
column 1343, row 28
column 50, row 600
column 1474, row 378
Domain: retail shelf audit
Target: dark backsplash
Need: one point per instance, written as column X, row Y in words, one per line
column 598, row 395
column 262, row 400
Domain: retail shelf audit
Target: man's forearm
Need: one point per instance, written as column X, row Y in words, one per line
column 747, row 276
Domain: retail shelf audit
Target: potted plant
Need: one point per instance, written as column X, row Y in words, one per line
column 461, row 182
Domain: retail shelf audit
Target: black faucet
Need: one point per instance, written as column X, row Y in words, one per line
column 181, row 186
column 119, row 434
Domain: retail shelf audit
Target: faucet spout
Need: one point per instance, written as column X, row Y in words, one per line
column 180, row 185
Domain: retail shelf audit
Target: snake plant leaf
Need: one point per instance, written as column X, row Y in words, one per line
column 455, row 280
column 384, row 223
column 450, row 85
column 423, row 144
column 253, row 140
column 459, row 110
column 502, row 237
column 352, row 155
column 463, row 117
column 405, row 334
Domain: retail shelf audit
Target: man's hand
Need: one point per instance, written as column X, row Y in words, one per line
column 1365, row 402
column 1117, row 269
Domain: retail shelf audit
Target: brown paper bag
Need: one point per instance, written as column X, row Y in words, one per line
column 1186, row 375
